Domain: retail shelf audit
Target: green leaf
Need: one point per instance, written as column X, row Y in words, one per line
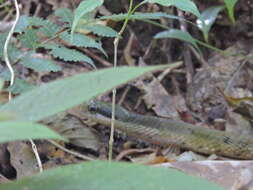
column 70, row 55
column 3, row 37
column 4, row 116
column 49, row 29
column 29, row 39
column 39, row 64
column 84, row 8
column 60, row 95
column 101, row 175
column 65, row 15
column 101, row 30
column 185, row 5
column 207, row 18
column 230, row 4
column 177, row 34
column 81, row 40
column 13, row 51
column 23, row 23
column 143, row 16
column 20, row 130
column 20, row 86
column 1, row 84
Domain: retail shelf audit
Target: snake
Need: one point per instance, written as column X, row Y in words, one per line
column 164, row 132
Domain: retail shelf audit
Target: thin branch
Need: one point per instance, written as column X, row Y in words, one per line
column 6, row 56
column 37, row 156
column 69, row 151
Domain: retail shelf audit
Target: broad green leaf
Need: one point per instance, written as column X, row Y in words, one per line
column 230, row 4
column 177, row 34
column 5, row 115
column 144, row 16
column 84, row 8
column 20, row 130
column 185, row 5
column 207, row 18
column 60, row 95
column 101, row 175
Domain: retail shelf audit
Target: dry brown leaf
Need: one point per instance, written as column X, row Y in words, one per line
column 157, row 98
column 229, row 174
column 22, row 158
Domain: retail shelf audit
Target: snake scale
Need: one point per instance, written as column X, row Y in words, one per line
column 167, row 131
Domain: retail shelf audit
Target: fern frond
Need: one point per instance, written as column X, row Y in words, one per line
column 47, row 27
column 22, row 24
column 69, row 55
column 29, row 38
column 101, row 30
column 65, row 15
column 13, row 52
column 80, row 40
column 39, row 64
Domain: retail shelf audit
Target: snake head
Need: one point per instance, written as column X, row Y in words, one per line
column 105, row 109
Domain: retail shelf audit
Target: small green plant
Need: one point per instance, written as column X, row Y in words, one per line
column 230, row 4
column 61, row 41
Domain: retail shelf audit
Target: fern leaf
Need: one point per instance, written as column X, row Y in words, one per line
column 23, row 23
column 80, row 40
column 29, row 38
column 39, row 64
column 47, row 27
column 65, row 15
column 14, row 53
column 20, row 86
column 36, row 21
column 70, row 55
column 84, row 7
column 101, row 30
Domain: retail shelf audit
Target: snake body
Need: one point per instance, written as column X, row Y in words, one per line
column 167, row 131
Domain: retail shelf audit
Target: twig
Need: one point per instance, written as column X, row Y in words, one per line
column 70, row 151
column 122, row 98
column 37, row 156
column 6, row 56
column 133, row 151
